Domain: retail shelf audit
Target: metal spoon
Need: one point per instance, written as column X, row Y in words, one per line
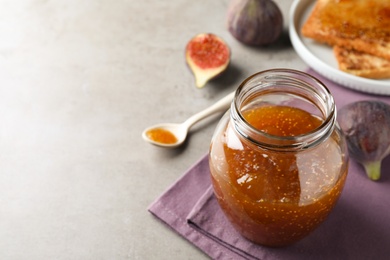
column 180, row 131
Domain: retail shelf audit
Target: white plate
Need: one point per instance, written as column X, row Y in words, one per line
column 320, row 57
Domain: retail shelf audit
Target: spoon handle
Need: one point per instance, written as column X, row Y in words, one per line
column 221, row 105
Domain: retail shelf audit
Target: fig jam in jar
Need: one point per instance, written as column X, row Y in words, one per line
column 278, row 159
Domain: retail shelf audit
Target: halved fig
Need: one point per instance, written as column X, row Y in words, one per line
column 208, row 56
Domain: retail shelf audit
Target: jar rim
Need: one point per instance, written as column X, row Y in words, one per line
column 321, row 97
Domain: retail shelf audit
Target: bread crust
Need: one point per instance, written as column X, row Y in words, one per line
column 361, row 64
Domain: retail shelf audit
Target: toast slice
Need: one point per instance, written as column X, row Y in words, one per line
column 363, row 25
column 361, row 64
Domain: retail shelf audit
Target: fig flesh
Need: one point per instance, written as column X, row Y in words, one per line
column 208, row 56
column 255, row 22
column 366, row 125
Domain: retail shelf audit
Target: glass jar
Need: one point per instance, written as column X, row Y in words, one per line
column 278, row 159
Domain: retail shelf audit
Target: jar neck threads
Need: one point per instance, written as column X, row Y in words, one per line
column 284, row 87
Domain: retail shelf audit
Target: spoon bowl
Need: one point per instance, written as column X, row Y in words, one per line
column 178, row 130
column 177, row 133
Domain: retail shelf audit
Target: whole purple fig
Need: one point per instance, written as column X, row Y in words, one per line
column 255, row 22
column 366, row 125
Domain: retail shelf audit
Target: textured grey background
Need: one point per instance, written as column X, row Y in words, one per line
column 79, row 81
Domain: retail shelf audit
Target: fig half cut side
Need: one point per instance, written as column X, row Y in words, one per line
column 208, row 56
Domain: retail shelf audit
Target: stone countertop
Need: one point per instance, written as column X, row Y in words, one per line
column 79, row 81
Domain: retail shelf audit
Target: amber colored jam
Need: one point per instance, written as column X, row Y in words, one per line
column 276, row 198
column 357, row 18
column 160, row 135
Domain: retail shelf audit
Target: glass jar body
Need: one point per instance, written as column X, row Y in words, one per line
column 276, row 188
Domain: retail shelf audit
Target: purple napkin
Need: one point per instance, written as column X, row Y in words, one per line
column 357, row 228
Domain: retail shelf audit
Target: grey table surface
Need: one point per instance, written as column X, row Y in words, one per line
column 79, row 81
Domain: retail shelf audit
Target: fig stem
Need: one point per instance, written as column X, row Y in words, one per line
column 373, row 170
column 200, row 81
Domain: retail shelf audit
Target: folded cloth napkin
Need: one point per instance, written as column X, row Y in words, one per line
column 357, row 228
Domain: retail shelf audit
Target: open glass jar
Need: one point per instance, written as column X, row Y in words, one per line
column 278, row 159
